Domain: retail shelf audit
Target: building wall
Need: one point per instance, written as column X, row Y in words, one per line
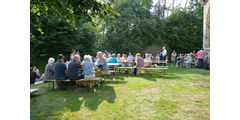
column 206, row 25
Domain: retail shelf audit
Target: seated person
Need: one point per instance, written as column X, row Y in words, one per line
column 180, row 59
column 158, row 57
column 112, row 60
column 188, row 61
column 60, row 72
column 119, row 57
column 49, row 69
column 139, row 63
column 36, row 71
column 89, row 73
column 147, row 60
column 109, row 57
column 102, row 63
column 130, row 57
column 33, row 76
column 74, row 68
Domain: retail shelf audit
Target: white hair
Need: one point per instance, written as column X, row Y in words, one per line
column 164, row 48
column 51, row 60
column 76, row 56
column 87, row 57
column 99, row 53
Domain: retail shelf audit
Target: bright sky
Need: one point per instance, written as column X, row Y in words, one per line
column 176, row 3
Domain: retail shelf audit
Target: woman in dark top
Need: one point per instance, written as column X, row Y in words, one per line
column 33, row 76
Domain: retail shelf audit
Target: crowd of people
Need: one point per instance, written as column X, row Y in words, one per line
column 199, row 59
column 75, row 69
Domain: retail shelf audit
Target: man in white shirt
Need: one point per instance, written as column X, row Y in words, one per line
column 164, row 53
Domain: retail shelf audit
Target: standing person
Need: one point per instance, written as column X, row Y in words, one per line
column 173, row 57
column 102, row 63
column 60, row 72
column 49, row 69
column 200, row 57
column 89, row 73
column 33, row 76
column 164, row 53
column 74, row 69
column 106, row 52
column 112, row 60
column 77, row 53
column 139, row 64
column 72, row 54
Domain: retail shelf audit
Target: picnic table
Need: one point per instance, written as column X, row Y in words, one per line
column 53, row 81
column 115, row 68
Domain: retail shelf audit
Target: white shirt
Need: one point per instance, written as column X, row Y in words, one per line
column 164, row 52
column 130, row 58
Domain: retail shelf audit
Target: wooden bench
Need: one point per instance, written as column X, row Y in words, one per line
column 33, row 90
column 80, row 80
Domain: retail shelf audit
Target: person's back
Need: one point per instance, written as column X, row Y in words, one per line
column 49, row 72
column 140, row 61
column 189, row 59
column 182, row 59
column 88, row 67
column 73, row 70
column 59, row 70
column 112, row 60
column 201, row 54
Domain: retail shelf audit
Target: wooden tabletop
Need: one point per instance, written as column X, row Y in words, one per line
column 113, row 64
column 33, row 90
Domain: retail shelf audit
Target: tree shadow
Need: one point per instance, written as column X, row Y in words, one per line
column 155, row 75
column 117, row 82
column 90, row 98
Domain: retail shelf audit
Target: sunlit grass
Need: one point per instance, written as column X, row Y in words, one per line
column 181, row 94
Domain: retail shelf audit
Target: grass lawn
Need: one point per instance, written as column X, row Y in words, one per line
column 182, row 94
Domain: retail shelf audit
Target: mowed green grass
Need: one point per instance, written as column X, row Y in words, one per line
column 182, row 94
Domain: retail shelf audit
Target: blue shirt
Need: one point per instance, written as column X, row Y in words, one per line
column 88, row 67
column 112, row 60
column 189, row 59
column 59, row 71
column 103, row 62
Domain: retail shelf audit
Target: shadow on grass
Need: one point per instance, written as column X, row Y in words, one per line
column 90, row 98
column 55, row 102
column 117, row 82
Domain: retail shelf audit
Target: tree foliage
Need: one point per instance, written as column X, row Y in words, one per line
column 138, row 28
column 120, row 26
column 57, row 26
